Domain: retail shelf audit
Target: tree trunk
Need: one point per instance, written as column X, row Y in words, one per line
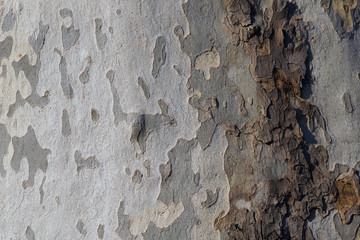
column 179, row 119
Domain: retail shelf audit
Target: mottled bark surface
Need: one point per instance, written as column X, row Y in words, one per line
column 179, row 119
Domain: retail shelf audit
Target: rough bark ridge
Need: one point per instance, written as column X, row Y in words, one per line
column 278, row 43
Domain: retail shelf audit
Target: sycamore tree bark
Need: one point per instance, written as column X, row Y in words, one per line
column 179, row 119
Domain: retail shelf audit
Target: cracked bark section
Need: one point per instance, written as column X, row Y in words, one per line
column 278, row 44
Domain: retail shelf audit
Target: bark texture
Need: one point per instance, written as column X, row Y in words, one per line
column 179, row 119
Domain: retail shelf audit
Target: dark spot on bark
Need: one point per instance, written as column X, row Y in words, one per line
column 159, row 56
column 94, row 115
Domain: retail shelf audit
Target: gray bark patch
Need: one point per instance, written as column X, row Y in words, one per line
column 347, row 102
column 137, row 177
column 144, row 124
column 19, row 101
column 144, row 87
column 205, row 133
column 123, row 223
column 38, row 42
column 84, row 76
column 31, row 73
column 211, row 198
column 101, row 231
column 29, row 148
column 101, row 38
column 9, row 21
column 4, row 143
column 6, row 47
column 80, row 226
column 3, row 72
column 66, row 128
column 177, row 184
column 347, row 231
column 69, row 36
column 65, row 81
column 85, row 162
column 30, row 235
column 163, row 107
column 159, row 55
column 65, row 12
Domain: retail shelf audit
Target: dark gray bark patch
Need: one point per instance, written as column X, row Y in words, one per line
column 38, row 42
column 159, row 56
column 137, row 177
column 211, row 198
column 347, row 102
column 65, row 12
column 65, row 79
column 144, row 124
column 19, row 101
column 101, row 38
column 177, row 185
column 80, row 226
column 9, row 21
column 205, row 133
column 30, row 235
column 164, row 107
column 347, row 231
column 84, row 76
column 101, row 231
column 28, row 147
column 90, row 162
column 94, row 115
column 4, row 71
column 144, row 87
column 123, row 223
column 31, row 73
column 6, row 47
column 70, row 35
column 4, row 144
column 65, row 128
